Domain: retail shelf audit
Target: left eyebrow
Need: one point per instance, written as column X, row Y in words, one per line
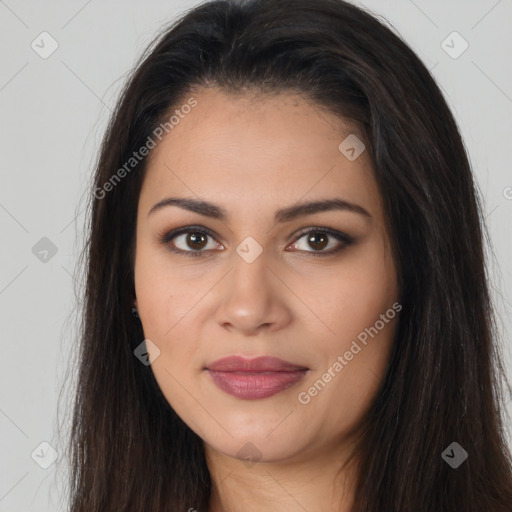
column 301, row 209
column 283, row 215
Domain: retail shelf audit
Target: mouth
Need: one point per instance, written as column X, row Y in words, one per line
column 252, row 379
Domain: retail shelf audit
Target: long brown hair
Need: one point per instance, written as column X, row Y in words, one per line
column 129, row 451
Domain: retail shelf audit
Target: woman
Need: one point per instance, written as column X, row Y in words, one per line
column 286, row 303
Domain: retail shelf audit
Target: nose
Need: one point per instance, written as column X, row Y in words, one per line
column 253, row 298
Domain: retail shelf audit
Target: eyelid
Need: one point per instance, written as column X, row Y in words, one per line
column 321, row 229
column 341, row 237
column 165, row 238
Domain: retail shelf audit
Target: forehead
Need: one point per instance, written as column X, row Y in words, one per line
column 256, row 150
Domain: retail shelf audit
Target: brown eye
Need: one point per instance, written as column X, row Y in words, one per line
column 190, row 241
column 196, row 241
column 318, row 241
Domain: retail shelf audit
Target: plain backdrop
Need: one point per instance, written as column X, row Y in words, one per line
column 54, row 109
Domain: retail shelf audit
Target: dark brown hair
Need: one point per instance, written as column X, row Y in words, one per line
column 129, row 450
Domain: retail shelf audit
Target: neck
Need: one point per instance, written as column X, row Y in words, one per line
column 313, row 482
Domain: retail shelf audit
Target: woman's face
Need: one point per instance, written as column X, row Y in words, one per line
column 259, row 274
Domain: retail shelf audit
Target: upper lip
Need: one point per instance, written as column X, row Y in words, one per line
column 256, row 365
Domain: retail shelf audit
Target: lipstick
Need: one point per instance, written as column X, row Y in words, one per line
column 252, row 379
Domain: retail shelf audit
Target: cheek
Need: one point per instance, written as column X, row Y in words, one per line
column 359, row 306
column 363, row 322
column 162, row 295
column 357, row 295
column 168, row 305
column 345, row 388
column 167, row 313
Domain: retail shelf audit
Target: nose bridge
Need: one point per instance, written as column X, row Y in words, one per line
column 250, row 272
column 250, row 298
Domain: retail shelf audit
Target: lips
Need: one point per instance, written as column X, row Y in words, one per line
column 252, row 379
column 256, row 365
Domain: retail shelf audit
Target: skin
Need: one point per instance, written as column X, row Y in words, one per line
column 253, row 158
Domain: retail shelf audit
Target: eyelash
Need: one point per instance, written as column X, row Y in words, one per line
column 166, row 237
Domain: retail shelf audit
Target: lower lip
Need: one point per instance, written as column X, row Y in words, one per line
column 251, row 386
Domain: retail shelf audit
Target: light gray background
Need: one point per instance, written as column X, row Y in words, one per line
column 53, row 114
